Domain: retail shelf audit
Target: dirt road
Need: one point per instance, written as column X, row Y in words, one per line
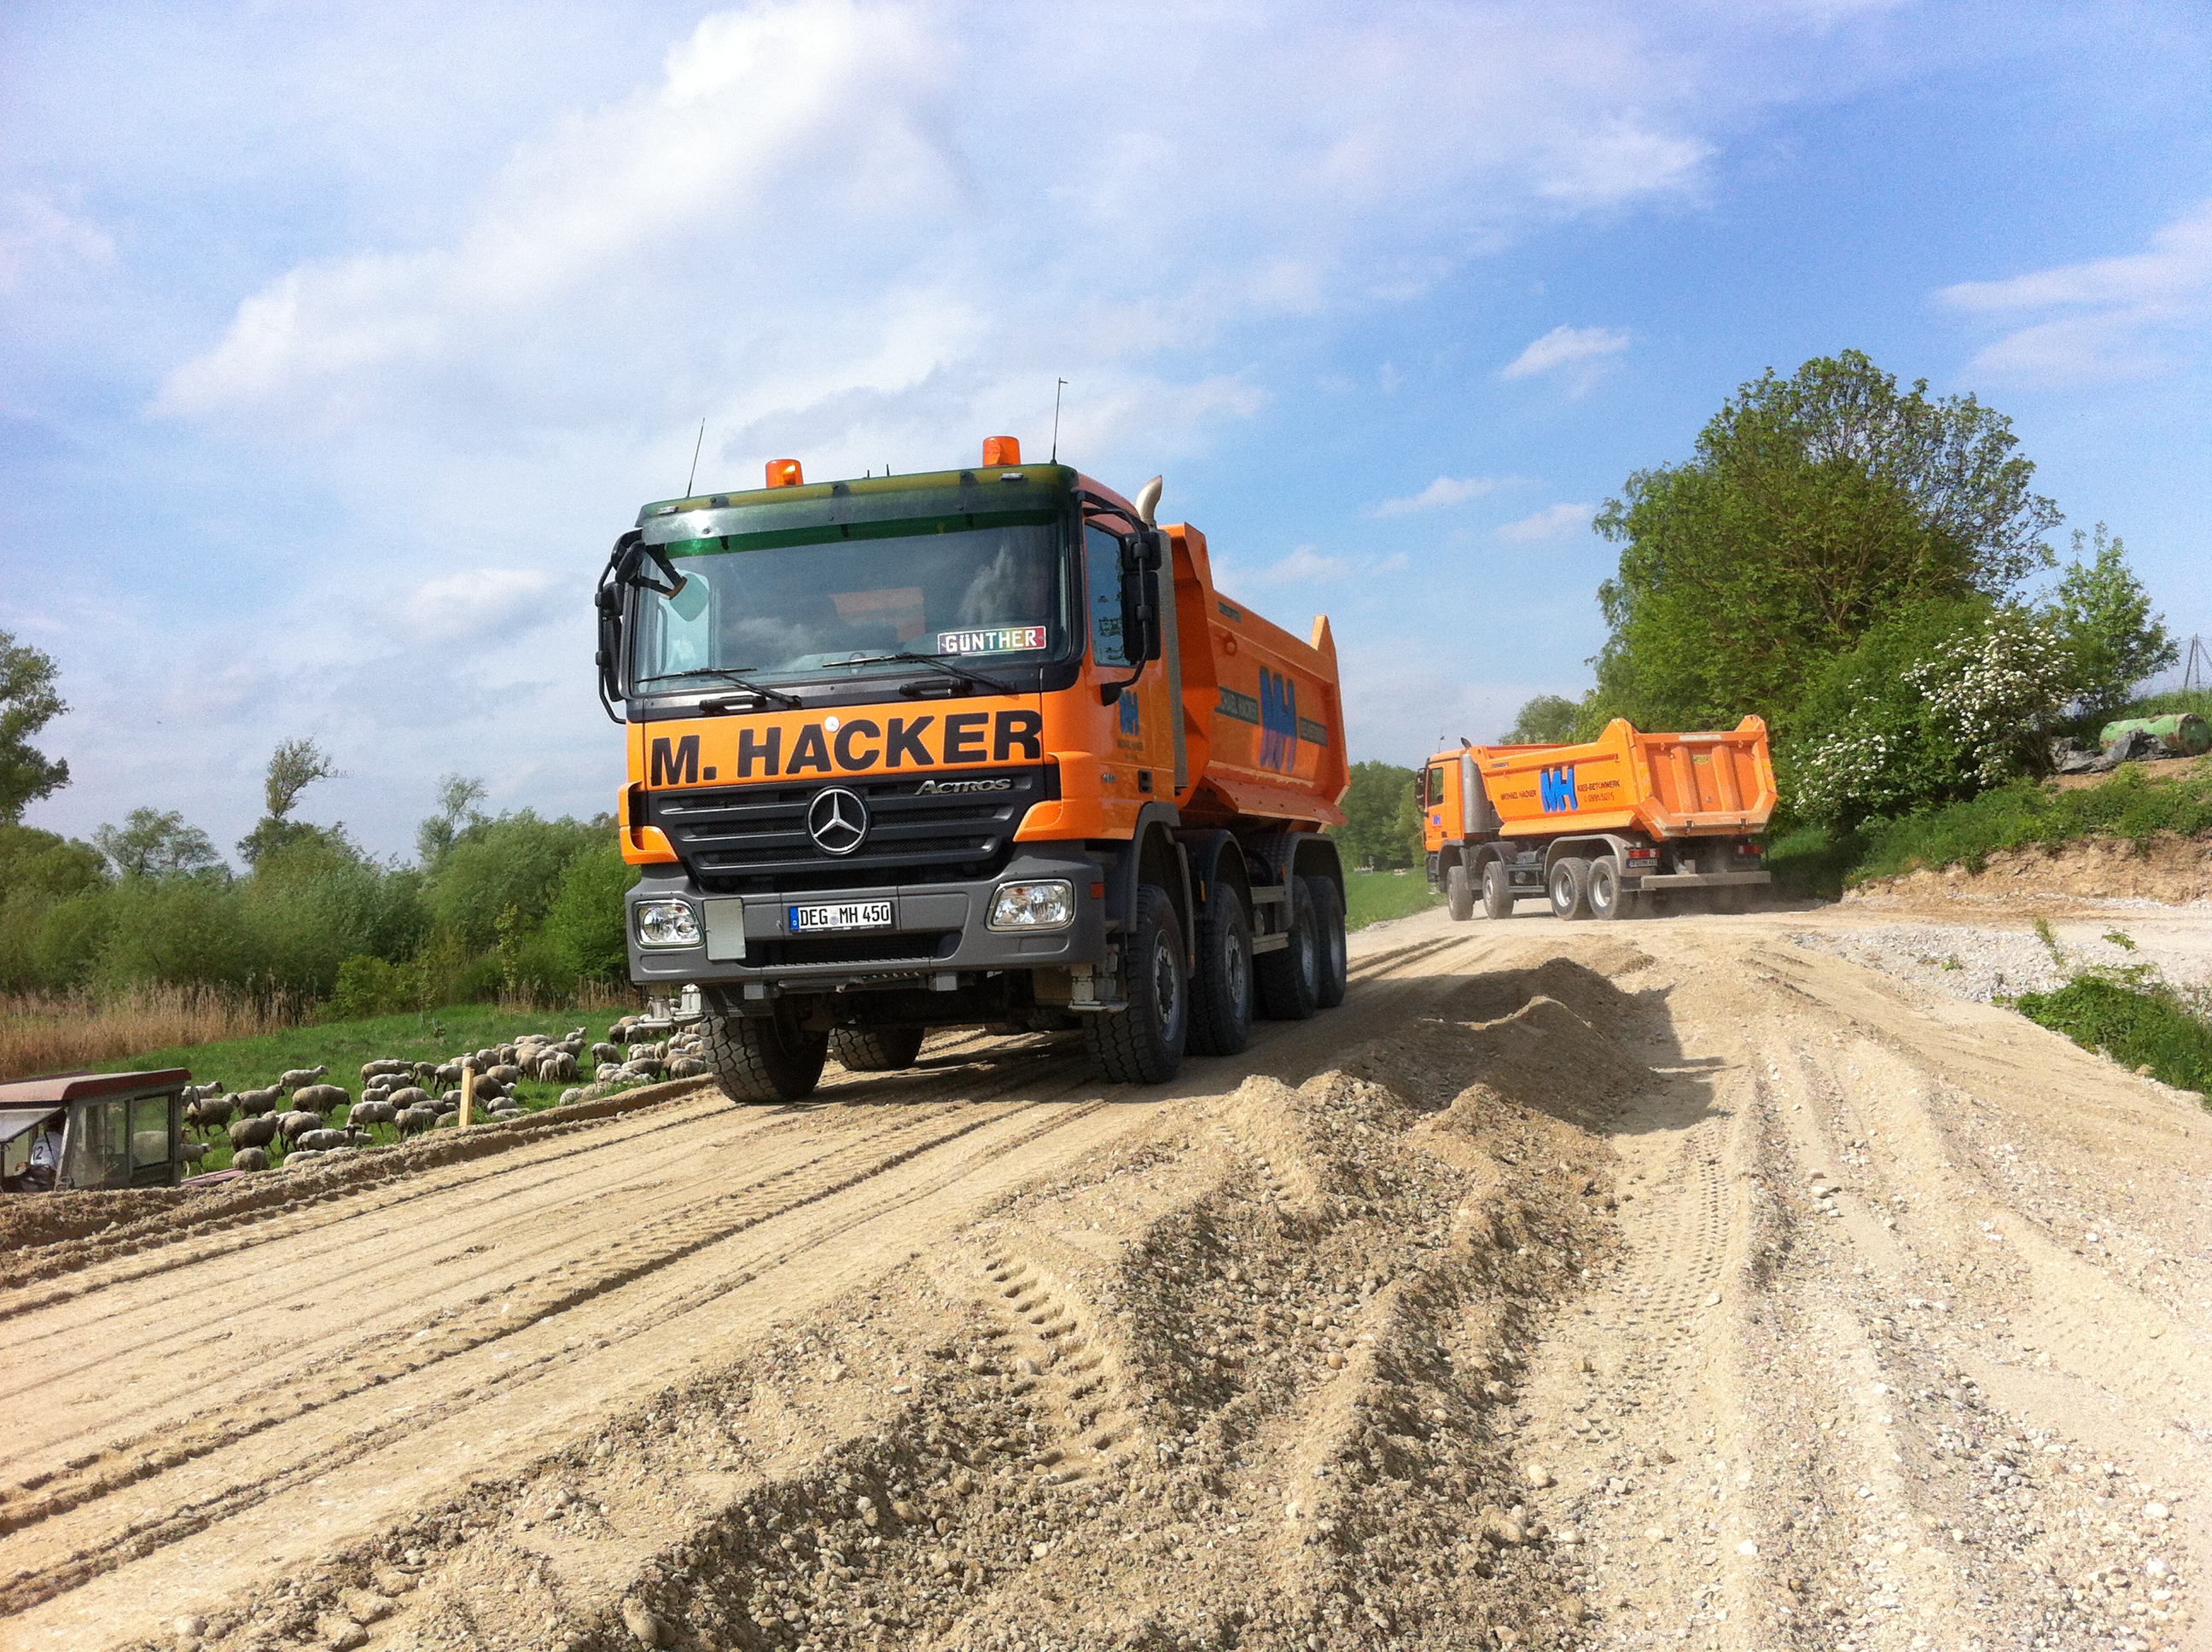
column 1574, row 1284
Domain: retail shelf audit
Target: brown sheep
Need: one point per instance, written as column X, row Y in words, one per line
column 257, row 1132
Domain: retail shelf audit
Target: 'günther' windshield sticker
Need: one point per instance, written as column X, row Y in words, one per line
column 996, row 640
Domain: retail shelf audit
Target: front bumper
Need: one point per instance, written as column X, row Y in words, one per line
column 938, row 934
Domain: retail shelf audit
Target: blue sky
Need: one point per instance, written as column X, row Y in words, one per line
column 336, row 342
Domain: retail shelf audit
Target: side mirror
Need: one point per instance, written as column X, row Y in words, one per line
column 1141, row 554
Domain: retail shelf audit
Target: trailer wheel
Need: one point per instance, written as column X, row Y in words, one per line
column 1221, row 985
column 875, row 1049
column 1459, row 894
column 1289, row 979
column 1335, row 960
column 764, row 1057
column 1144, row 1044
column 1497, row 891
column 1569, row 887
column 1603, row 890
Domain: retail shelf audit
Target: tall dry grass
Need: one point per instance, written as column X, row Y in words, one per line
column 42, row 1033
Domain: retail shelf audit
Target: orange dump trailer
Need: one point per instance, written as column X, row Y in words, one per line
column 1625, row 823
column 981, row 746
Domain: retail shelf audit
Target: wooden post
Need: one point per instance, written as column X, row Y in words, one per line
column 468, row 1093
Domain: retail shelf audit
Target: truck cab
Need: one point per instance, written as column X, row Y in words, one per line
column 976, row 747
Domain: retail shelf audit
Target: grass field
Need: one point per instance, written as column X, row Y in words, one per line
column 1371, row 896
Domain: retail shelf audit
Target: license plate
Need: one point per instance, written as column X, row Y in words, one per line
column 844, row 915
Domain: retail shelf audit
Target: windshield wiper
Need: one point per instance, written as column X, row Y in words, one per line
column 731, row 675
column 934, row 664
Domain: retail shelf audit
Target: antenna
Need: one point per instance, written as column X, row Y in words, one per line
column 695, row 446
column 2196, row 675
column 1059, row 386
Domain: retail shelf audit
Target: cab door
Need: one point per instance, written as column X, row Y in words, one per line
column 1142, row 728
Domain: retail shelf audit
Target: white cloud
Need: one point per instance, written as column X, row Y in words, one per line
column 2124, row 317
column 37, row 237
column 477, row 602
column 1566, row 347
column 1443, row 492
column 1554, row 522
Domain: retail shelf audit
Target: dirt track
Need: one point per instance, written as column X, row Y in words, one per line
column 1498, row 1307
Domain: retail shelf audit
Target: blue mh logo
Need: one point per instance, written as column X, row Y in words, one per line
column 1279, row 721
column 1557, row 786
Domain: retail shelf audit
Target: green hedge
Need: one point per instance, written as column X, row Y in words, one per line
column 2134, row 1028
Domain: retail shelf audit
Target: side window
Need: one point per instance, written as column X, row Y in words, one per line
column 150, row 1131
column 1435, row 785
column 1101, row 573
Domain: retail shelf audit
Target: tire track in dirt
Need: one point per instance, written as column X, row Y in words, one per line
column 463, row 1359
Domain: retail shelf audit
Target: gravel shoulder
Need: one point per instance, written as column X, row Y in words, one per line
column 1680, row 1283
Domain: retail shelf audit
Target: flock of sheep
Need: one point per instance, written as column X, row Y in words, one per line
column 290, row 1122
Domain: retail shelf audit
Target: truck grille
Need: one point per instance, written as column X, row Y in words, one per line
column 751, row 839
column 850, row 949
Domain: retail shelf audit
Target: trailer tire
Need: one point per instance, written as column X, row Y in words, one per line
column 1144, row 1044
column 875, row 1049
column 1289, row 979
column 1221, row 985
column 1333, row 954
column 764, row 1057
column 1569, row 887
column 1459, row 893
column 1496, row 890
column 1602, row 892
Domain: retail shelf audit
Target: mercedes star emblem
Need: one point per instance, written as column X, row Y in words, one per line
column 837, row 821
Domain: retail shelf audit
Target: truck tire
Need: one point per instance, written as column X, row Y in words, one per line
column 1289, row 979
column 764, row 1057
column 1602, row 892
column 1496, row 890
column 1334, row 957
column 1144, row 1044
column 1459, row 894
column 1569, row 887
column 1221, row 985
column 875, row 1049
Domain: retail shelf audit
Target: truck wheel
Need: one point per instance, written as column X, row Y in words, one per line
column 1459, row 894
column 1496, row 890
column 1334, row 959
column 1221, row 985
column 1602, row 890
column 1144, row 1044
column 1289, row 980
column 1568, row 885
column 764, row 1057
column 875, row 1049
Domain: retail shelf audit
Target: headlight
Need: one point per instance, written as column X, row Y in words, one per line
column 1047, row 905
column 666, row 923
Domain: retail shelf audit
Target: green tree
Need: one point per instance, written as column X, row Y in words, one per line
column 50, row 927
column 28, row 701
column 1815, row 508
column 152, row 844
column 585, row 923
column 293, row 768
column 1930, row 707
column 1377, row 808
column 513, row 863
column 2103, row 617
column 457, row 798
column 1548, row 719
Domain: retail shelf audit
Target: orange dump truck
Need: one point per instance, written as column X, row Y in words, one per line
column 1627, row 823
column 974, row 747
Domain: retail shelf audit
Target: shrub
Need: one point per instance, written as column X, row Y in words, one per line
column 369, row 986
column 584, row 924
column 2130, row 805
column 2135, row 1026
column 511, row 864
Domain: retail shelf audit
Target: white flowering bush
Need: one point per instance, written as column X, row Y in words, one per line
column 1937, row 705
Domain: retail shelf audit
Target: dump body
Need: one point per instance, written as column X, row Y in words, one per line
column 1659, row 813
column 872, row 706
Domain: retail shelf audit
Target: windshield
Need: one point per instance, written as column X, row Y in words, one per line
column 994, row 596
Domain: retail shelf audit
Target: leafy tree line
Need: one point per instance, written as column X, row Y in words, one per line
column 514, row 901
column 1856, row 563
